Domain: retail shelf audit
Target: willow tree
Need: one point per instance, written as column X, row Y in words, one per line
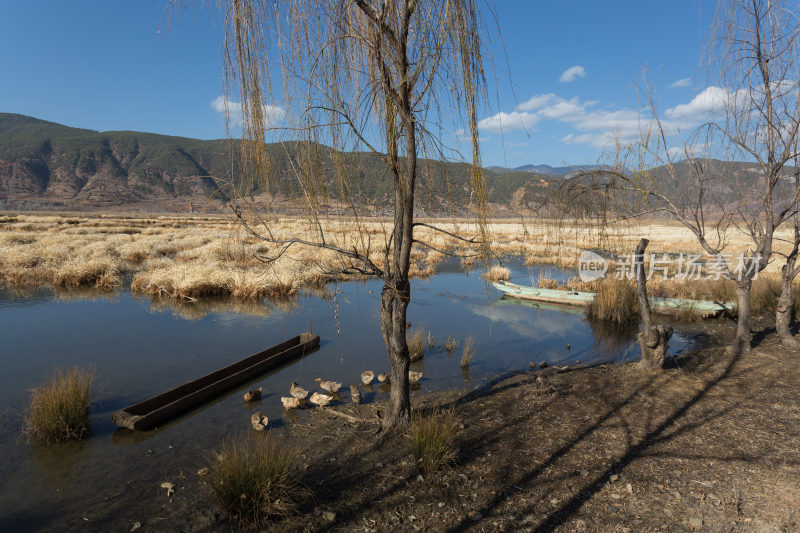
column 381, row 76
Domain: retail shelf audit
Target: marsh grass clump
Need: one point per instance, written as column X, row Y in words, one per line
column 615, row 301
column 433, row 439
column 431, row 341
column 416, row 345
column 688, row 314
column 497, row 273
column 469, row 351
column 59, row 410
column 450, row 345
column 764, row 295
column 255, row 480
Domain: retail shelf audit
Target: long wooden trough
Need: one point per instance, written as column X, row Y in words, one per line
column 658, row 305
column 153, row 411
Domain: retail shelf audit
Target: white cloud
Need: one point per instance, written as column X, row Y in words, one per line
column 585, row 138
column 689, row 151
column 683, row 82
column 572, row 73
column 537, row 101
column 273, row 115
column 515, row 120
column 703, row 105
column 603, row 128
column 564, row 110
column 600, row 128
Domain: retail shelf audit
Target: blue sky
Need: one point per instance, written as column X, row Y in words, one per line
column 109, row 65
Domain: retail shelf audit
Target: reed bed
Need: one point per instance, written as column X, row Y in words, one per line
column 255, row 480
column 188, row 257
column 59, row 409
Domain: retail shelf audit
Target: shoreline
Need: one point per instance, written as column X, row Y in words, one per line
column 709, row 444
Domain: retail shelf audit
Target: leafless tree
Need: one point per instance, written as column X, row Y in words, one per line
column 753, row 58
column 381, row 76
column 789, row 272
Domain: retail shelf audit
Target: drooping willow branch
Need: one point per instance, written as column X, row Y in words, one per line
column 370, row 268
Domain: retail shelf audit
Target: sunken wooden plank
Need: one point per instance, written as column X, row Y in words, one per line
column 152, row 412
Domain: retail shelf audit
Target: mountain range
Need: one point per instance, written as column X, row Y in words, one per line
column 44, row 165
column 547, row 170
column 49, row 165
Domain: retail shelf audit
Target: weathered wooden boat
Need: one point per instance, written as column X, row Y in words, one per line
column 658, row 305
column 152, row 412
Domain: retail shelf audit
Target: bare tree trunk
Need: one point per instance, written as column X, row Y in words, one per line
column 741, row 344
column 783, row 313
column 394, row 304
column 653, row 340
column 400, row 289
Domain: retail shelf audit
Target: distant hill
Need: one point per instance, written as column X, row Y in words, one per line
column 49, row 165
column 547, row 170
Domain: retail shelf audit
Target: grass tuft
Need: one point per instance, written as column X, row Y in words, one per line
column 416, row 345
column 615, row 301
column 469, row 351
column 433, row 439
column 497, row 273
column 450, row 345
column 254, row 480
column 59, row 410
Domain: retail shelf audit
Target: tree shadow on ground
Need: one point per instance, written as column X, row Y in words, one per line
column 636, row 448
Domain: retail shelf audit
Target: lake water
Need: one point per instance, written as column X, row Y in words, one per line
column 140, row 348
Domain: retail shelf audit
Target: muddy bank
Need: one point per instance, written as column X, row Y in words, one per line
column 711, row 444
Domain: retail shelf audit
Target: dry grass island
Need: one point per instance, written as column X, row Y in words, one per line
column 190, row 257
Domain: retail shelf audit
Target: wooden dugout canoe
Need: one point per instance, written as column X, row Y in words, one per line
column 658, row 305
column 152, row 412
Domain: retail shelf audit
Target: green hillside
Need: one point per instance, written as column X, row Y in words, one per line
column 44, row 160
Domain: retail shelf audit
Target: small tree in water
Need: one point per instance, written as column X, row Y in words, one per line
column 360, row 75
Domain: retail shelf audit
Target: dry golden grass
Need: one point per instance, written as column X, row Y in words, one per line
column 468, row 353
column 497, row 273
column 416, row 345
column 188, row 257
column 59, row 410
column 255, row 480
column 616, row 302
column 433, row 439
